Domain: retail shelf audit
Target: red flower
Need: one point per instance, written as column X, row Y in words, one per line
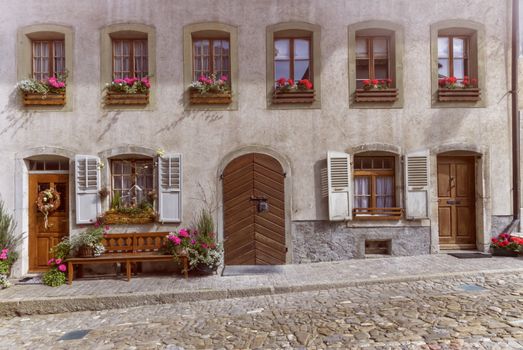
column 366, row 82
column 305, row 83
column 281, row 81
column 495, row 240
column 389, row 81
column 290, row 82
column 374, row 81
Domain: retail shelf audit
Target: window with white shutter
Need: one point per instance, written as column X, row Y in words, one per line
column 87, row 185
column 417, row 184
column 170, row 185
column 339, row 186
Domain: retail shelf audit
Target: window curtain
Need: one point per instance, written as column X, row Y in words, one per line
column 384, row 192
column 362, row 192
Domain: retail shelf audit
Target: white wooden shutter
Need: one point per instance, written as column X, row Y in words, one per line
column 417, row 184
column 87, row 185
column 339, row 186
column 169, row 188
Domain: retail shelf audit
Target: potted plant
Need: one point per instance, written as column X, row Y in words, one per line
column 9, row 242
column 506, row 245
column 55, row 276
column 128, row 91
column 6, row 260
column 119, row 214
column 375, row 90
column 89, row 243
column 210, row 90
column 451, row 90
column 43, row 93
column 289, row 91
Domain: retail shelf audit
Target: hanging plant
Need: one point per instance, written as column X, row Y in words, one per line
column 47, row 202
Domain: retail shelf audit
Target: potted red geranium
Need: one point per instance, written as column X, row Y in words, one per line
column 452, row 90
column 506, row 245
column 290, row 91
column 375, row 90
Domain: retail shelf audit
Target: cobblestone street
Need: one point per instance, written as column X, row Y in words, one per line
column 458, row 313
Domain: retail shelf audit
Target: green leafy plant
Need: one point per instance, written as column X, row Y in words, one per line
column 9, row 239
column 62, row 249
column 130, row 85
column 91, row 238
column 116, row 202
column 204, row 224
column 54, row 277
column 210, row 84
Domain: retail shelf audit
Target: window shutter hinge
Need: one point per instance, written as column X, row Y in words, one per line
column 285, row 175
column 221, row 176
column 286, row 249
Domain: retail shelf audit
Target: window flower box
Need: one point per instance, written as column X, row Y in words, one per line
column 210, row 98
column 450, row 90
column 288, row 92
column 50, row 92
column 128, row 216
column 375, row 90
column 210, row 91
column 506, row 245
column 128, row 91
column 49, row 99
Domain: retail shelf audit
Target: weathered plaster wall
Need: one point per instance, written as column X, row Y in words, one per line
column 302, row 136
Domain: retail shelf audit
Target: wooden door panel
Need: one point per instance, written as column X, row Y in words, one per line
column 253, row 237
column 456, row 201
column 42, row 238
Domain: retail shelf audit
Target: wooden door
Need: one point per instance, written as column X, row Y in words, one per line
column 456, row 202
column 252, row 235
column 41, row 239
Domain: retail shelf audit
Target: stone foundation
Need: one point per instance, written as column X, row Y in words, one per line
column 314, row 241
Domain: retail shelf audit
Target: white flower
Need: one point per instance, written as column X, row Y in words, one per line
column 160, row 152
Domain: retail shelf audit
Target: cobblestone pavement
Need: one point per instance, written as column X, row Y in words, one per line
column 452, row 313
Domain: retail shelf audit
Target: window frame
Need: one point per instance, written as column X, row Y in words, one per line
column 133, row 176
column 370, row 49
column 292, row 57
column 132, row 58
column 51, row 57
column 211, row 55
column 466, row 54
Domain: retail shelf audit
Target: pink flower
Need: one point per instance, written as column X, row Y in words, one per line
column 183, row 233
column 193, row 242
column 130, row 81
column 62, row 267
column 96, row 224
column 106, row 228
column 119, row 81
column 224, row 78
column 50, row 262
column 177, row 240
column 204, row 246
column 58, row 261
column 145, row 81
column 3, row 256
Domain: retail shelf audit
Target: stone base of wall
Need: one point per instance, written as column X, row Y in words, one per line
column 314, row 241
column 499, row 223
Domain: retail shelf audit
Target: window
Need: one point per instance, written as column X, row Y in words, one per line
column 211, row 56
column 132, row 180
column 453, row 57
column 48, row 58
column 374, row 194
column 372, row 59
column 292, row 58
column 130, row 58
column 49, row 165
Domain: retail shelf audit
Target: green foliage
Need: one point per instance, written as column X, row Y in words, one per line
column 205, row 223
column 62, row 249
column 8, row 238
column 116, row 202
column 54, row 278
column 92, row 237
column 4, row 267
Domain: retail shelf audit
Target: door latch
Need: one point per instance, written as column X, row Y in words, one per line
column 262, row 206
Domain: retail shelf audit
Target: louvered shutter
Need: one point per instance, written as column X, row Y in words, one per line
column 417, row 184
column 339, row 186
column 170, row 185
column 87, row 185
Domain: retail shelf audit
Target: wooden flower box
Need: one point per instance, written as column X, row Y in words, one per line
column 50, row 99
column 293, row 96
column 459, row 95
column 196, row 98
column 121, row 98
column 376, row 95
column 114, row 217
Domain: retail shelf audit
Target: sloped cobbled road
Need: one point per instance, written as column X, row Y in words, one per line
column 463, row 313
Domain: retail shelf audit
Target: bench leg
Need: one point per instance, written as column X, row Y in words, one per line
column 128, row 268
column 70, row 273
column 186, row 267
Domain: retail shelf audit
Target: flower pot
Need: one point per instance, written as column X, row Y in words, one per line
column 205, row 269
column 496, row 251
column 459, row 95
column 122, row 98
column 210, row 98
column 85, row 252
column 50, row 99
column 376, row 95
column 293, row 96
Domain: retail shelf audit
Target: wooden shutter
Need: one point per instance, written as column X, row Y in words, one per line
column 169, row 188
column 87, row 185
column 339, row 186
column 417, row 184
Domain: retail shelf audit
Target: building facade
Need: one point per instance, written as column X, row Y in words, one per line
column 342, row 169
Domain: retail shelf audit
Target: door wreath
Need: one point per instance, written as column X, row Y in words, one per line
column 47, row 202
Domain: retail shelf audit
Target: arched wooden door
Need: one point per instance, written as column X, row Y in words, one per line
column 254, row 211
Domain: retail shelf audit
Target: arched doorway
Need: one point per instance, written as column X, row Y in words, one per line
column 254, row 211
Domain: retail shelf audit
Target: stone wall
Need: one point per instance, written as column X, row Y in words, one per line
column 314, row 241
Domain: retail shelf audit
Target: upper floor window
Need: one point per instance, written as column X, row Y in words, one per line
column 453, row 57
column 374, row 188
column 130, row 58
column 132, row 180
column 292, row 58
column 48, row 58
column 211, row 56
column 372, row 59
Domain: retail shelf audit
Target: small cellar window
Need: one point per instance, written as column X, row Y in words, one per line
column 377, row 247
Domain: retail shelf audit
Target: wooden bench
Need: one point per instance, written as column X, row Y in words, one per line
column 128, row 248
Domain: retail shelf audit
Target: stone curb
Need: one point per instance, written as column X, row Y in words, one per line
column 41, row 306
